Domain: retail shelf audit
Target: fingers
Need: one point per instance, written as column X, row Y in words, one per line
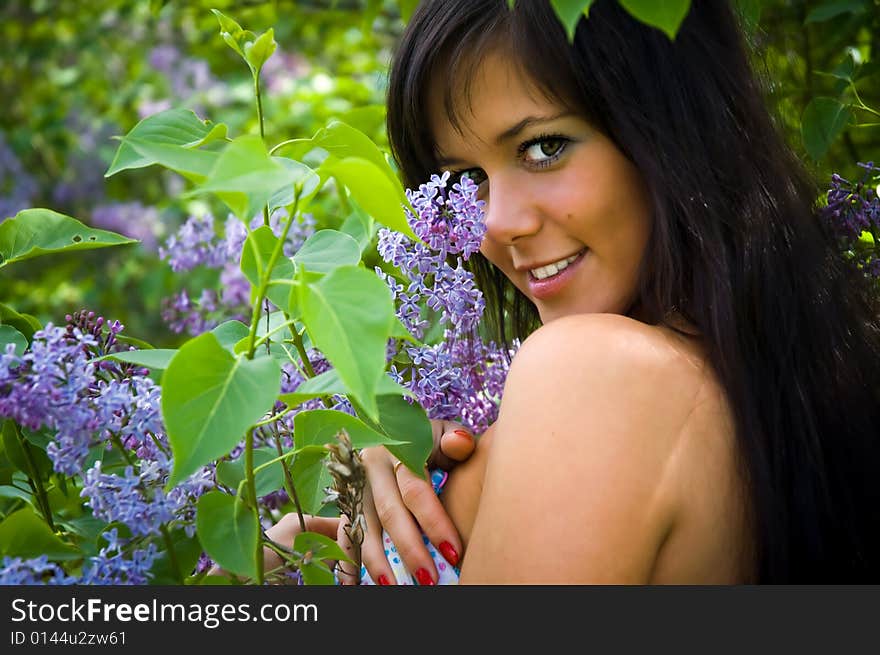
column 393, row 514
column 430, row 515
column 373, row 550
column 453, row 443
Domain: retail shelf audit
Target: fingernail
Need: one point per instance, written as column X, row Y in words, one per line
column 462, row 433
column 424, row 578
column 383, row 580
column 449, row 553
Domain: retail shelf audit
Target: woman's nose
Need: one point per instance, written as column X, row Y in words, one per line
column 511, row 213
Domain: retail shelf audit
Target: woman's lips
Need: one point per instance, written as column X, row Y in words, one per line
column 542, row 289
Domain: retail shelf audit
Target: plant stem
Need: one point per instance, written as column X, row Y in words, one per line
column 172, row 554
column 252, row 496
column 262, row 130
column 288, row 480
column 37, row 483
column 266, row 277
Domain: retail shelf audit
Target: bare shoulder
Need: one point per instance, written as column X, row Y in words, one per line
column 591, row 424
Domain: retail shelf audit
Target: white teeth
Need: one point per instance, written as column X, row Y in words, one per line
column 552, row 269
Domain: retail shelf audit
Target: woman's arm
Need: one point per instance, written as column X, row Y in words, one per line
column 578, row 484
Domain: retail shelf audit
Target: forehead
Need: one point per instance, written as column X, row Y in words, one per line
column 495, row 94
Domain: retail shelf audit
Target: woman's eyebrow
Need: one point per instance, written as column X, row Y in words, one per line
column 527, row 122
column 509, row 133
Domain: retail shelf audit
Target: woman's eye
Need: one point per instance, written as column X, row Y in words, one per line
column 477, row 176
column 543, row 150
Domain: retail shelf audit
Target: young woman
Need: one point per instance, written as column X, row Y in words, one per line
column 696, row 397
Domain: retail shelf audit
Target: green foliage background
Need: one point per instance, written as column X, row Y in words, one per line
column 75, row 74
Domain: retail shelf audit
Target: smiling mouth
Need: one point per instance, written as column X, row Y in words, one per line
column 553, row 269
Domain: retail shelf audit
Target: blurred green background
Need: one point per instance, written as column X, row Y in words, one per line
column 73, row 75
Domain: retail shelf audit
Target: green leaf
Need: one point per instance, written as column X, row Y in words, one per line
column 327, row 250
column 229, row 333
column 833, row 8
column 373, row 191
column 233, row 34
column 209, row 400
column 156, row 359
column 317, row 427
column 750, row 11
column 186, row 552
column 329, row 383
column 569, row 13
column 315, row 572
column 257, row 53
column 349, row 316
column 402, row 421
column 311, row 477
column 227, row 530
column 157, row 139
column 24, row 323
column 255, row 257
column 35, row 232
column 319, row 546
column 24, row 534
column 342, row 140
column 245, row 176
column 666, row 15
column 30, row 460
column 267, row 480
column 9, row 492
column 360, row 227
column 822, row 122
column 286, row 195
column 9, row 334
column 316, row 547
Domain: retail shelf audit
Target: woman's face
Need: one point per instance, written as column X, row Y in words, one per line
column 567, row 215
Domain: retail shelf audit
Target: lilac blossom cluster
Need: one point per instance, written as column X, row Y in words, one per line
column 854, row 208
column 90, row 408
column 198, row 243
column 461, row 377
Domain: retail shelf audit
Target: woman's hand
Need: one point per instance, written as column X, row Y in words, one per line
column 406, row 506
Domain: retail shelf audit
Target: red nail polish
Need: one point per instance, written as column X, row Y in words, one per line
column 462, row 433
column 424, row 578
column 383, row 580
column 448, row 552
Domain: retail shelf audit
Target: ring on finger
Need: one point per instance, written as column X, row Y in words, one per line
column 396, row 466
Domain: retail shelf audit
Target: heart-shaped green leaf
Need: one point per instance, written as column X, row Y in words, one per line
column 666, row 15
column 228, row 532
column 349, row 315
column 209, row 400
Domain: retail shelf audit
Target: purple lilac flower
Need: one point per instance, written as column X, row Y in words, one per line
column 131, row 219
column 56, row 385
column 33, row 571
column 461, row 377
column 17, row 188
column 114, row 565
column 198, row 243
column 854, row 208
